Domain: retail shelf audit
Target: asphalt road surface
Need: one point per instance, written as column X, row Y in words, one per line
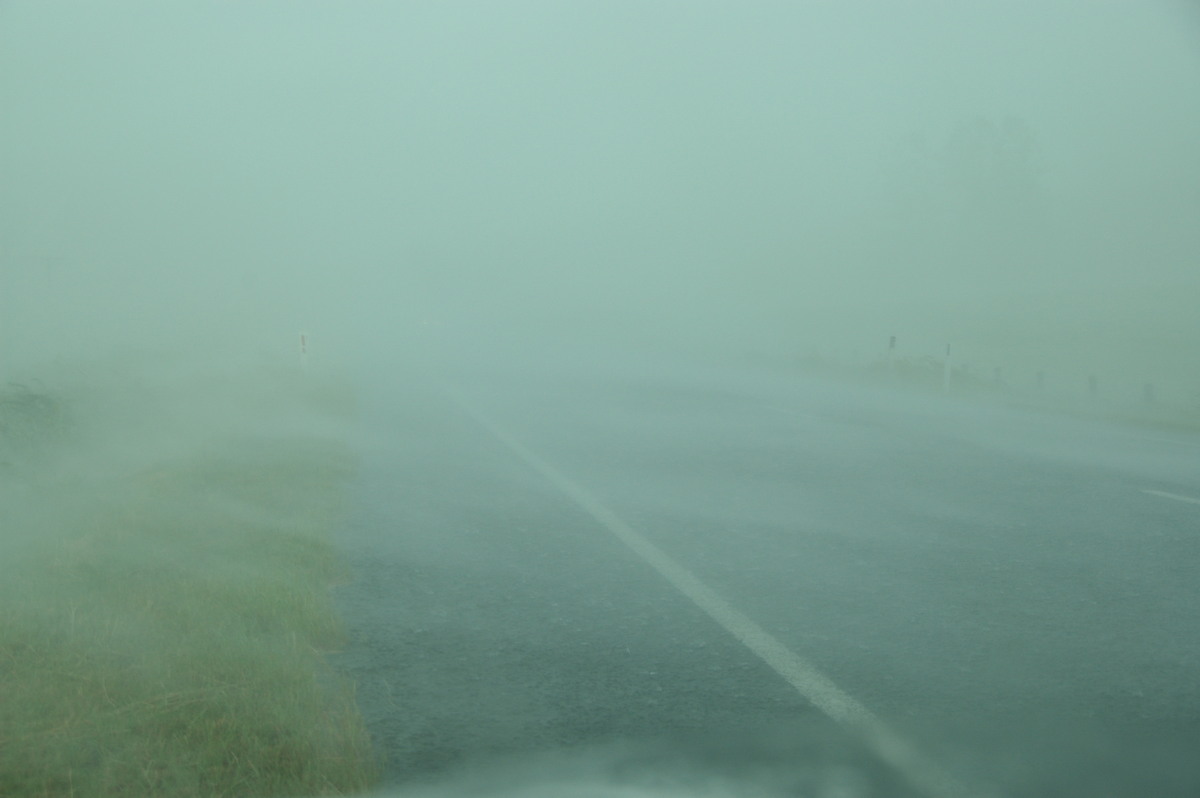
column 652, row 579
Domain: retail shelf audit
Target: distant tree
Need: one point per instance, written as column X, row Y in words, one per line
column 978, row 188
column 992, row 172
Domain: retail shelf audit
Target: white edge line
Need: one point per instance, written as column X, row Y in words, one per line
column 921, row 772
column 1175, row 496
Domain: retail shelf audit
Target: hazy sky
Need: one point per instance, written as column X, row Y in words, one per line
column 1022, row 178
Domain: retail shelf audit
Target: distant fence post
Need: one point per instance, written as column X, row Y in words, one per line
column 303, row 351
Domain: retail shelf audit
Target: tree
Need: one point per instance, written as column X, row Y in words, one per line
column 992, row 172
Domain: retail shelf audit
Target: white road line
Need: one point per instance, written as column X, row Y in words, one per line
column 1174, row 496
column 922, row 773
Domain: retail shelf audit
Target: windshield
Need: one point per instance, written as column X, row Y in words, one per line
column 599, row 398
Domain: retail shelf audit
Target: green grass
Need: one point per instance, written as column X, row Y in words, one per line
column 165, row 629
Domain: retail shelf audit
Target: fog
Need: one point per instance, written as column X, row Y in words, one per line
column 1016, row 179
column 561, row 275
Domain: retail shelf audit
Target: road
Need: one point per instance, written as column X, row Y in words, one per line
column 1012, row 598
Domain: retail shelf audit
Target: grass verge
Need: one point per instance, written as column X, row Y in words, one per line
column 927, row 376
column 165, row 621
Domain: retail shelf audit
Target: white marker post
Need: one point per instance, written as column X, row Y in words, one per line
column 304, row 351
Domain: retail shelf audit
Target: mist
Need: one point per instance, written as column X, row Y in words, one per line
column 1017, row 179
column 874, row 320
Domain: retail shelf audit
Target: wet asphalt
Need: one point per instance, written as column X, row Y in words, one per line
column 997, row 586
